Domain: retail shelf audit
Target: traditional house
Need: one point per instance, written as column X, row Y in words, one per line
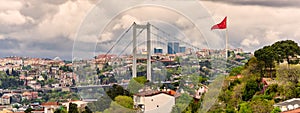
column 50, row 107
column 154, row 101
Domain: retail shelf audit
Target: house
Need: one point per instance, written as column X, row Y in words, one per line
column 5, row 100
column 80, row 104
column 50, row 107
column 288, row 105
column 30, row 95
column 154, row 101
column 203, row 89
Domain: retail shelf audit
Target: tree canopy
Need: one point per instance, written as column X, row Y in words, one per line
column 286, row 50
column 124, row 101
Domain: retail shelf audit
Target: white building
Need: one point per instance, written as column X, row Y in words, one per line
column 288, row 105
column 155, row 101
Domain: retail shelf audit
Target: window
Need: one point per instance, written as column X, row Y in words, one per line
column 137, row 99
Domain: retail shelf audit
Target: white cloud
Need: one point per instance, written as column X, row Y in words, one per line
column 125, row 22
column 10, row 13
column 250, row 41
column 66, row 21
column 2, row 37
column 266, row 24
column 272, row 36
column 14, row 17
column 183, row 23
column 106, row 36
column 10, row 5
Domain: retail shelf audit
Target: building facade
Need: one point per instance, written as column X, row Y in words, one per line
column 154, row 101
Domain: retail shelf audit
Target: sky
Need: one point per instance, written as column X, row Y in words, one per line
column 49, row 28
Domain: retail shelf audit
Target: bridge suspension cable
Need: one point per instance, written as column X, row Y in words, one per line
column 128, row 45
column 169, row 35
column 119, row 39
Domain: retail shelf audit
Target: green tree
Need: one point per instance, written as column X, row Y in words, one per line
column 245, row 108
column 182, row 103
column 101, row 104
column 286, row 49
column 28, row 110
column 73, row 108
column 60, row 110
column 117, row 90
column 136, row 84
column 276, row 110
column 107, row 67
column 116, row 108
column 266, row 56
column 178, row 59
column 272, row 89
column 87, row 110
column 124, row 101
column 288, row 74
column 250, row 89
column 253, row 66
column 260, row 105
column 235, row 71
column 141, row 80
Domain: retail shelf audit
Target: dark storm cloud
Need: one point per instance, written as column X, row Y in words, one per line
column 59, row 46
column 58, row 43
column 8, row 44
column 269, row 3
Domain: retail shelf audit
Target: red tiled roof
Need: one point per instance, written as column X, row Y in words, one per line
column 172, row 92
column 293, row 111
column 6, row 97
column 50, row 104
column 151, row 93
column 105, row 56
column 26, row 93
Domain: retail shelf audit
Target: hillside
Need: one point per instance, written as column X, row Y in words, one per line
column 270, row 77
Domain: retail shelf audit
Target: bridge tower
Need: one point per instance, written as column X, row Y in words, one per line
column 135, row 27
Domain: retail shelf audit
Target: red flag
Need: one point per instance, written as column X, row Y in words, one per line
column 221, row 25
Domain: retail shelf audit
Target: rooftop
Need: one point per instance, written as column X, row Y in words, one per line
column 289, row 102
column 155, row 92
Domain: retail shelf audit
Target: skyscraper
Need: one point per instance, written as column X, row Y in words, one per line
column 182, row 49
column 170, row 48
column 176, row 47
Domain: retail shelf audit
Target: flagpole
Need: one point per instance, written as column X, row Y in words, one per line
column 226, row 43
column 226, row 48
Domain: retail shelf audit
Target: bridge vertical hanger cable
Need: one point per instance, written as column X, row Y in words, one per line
column 123, row 34
column 171, row 36
column 128, row 45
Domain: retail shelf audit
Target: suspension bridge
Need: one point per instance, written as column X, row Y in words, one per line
column 155, row 38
